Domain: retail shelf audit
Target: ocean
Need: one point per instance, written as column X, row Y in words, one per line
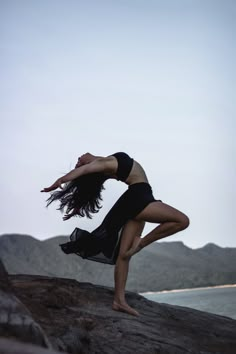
column 220, row 300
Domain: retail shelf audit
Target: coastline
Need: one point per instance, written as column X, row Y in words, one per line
column 188, row 289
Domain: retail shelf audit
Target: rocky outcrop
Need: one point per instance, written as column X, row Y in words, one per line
column 15, row 319
column 77, row 318
column 9, row 346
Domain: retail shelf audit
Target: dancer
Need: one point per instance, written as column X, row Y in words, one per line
column 118, row 238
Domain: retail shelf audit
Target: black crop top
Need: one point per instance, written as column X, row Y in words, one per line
column 125, row 164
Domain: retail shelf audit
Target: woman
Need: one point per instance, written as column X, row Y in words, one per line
column 81, row 196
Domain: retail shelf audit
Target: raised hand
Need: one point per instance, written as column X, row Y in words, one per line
column 55, row 185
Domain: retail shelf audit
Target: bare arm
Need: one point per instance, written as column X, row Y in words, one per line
column 98, row 165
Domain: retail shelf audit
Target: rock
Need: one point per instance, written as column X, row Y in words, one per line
column 9, row 346
column 15, row 319
column 78, row 318
column 4, row 281
column 65, row 315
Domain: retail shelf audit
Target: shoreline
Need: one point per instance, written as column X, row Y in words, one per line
column 188, row 289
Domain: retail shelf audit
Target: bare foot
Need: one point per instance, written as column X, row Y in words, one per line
column 135, row 248
column 124, row 307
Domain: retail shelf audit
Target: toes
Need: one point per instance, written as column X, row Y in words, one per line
column 124, row 308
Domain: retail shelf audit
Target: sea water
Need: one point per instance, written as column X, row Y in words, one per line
column 219, row 300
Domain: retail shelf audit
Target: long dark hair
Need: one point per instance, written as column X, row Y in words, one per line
column 81, row 196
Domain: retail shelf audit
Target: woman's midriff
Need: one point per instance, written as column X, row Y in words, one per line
column 137, row 175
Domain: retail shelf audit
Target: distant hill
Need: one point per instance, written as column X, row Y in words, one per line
column 160, row 266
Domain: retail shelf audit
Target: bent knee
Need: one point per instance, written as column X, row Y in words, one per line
column 184, row 222
column 123, row 256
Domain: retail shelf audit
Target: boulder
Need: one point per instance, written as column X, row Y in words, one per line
column 16, row 320
column 78, row 318
column 10, row 346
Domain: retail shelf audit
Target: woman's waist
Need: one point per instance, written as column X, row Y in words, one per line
column 137, row 179
column 137, row 184
column 137, row 175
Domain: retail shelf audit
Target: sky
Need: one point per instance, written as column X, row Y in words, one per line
column 153, row 78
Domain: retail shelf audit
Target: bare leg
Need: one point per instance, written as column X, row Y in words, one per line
column 171, row 221
column 131, row 230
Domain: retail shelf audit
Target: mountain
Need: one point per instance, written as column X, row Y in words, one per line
column 160, row 266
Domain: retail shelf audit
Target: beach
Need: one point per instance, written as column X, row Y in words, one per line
column 219, row 300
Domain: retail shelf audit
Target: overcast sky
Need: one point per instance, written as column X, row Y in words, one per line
column 154, row 78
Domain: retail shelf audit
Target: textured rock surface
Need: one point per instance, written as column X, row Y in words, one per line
column 9, row 346
column 77, row 318
column 15, row 319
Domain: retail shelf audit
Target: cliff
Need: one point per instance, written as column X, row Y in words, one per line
column 63, row 315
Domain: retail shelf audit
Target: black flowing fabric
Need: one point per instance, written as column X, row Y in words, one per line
column 103, row 244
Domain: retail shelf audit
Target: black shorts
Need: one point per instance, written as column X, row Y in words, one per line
column 103, row 244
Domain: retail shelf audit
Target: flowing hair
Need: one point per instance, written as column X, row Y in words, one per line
column 81, row 197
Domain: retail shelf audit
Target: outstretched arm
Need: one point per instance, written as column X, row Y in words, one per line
column 98, row 165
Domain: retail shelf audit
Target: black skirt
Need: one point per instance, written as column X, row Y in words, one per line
column 103, row 244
